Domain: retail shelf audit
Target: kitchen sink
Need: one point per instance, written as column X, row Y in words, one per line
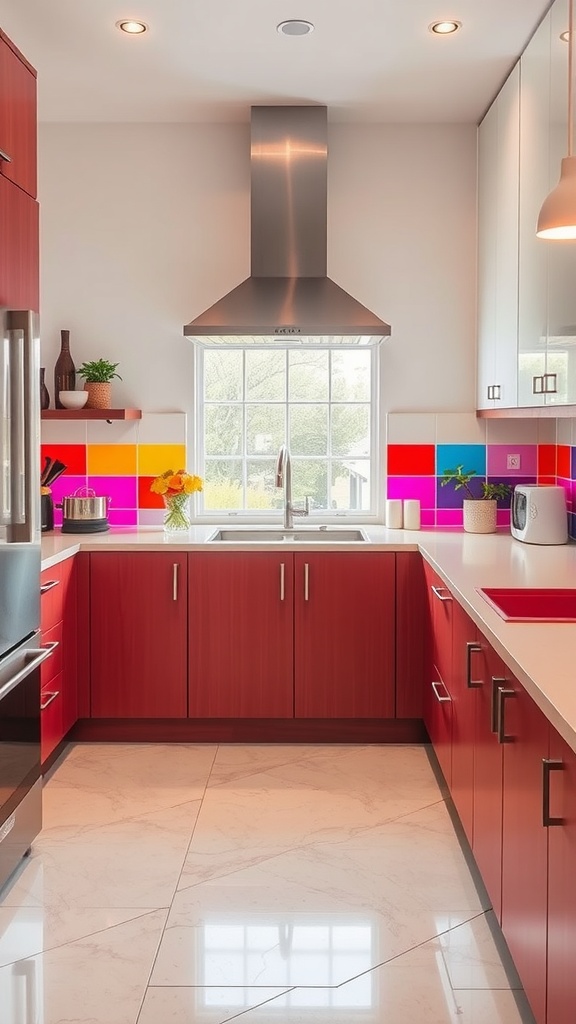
column 532, row 604
column 278, row 535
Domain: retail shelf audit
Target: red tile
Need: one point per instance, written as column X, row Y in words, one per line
column 546, row 481
column 546, row 460
column 146, row 499
column 72, row 455
column 411, row 460
column 563, row 464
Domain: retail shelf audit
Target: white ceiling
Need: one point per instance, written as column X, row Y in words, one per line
column 208, row 60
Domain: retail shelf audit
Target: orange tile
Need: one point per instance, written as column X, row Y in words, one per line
column 154, row 459
column 111, row 459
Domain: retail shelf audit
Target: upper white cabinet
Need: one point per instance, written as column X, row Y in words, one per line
column 526, row 285
column 498, row 187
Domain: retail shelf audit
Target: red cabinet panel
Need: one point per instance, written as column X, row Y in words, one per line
column 51, row 720
column 561, row 885
column 138, row 611
column 438, row 712
column 438, row 721
column 17, row 119
column 59, row 673
column 412, row 637
column 466, row 680
column 525, row 731
column 19, row 248
column 488, row 776
column 441, row 606
column 344, row 635
column 241, row 655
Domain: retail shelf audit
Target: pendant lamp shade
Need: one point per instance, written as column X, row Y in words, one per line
column 557, row 218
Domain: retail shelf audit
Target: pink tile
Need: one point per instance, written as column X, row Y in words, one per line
column 428, row 517
column 497, row 455
column 449, row 517
column 503, row 517
column 123, row 517
column 421, row 487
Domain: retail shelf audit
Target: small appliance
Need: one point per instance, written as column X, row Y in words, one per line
column 539, row 514
column 84, row 512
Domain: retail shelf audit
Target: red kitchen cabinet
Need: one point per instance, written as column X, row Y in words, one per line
column 466, row 680
column 344, row 635
column 440, row 611
column 138, row 635
column 438, row 711
column 488, row 774
column 18, row 135
column 19, row 248
column 412, row 635
column 524, row 733
column 59, row 673
column 561, row 885
column 241, row 659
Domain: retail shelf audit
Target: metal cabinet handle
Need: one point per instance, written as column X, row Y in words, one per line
column 4, row 156
column 497, row 682
column 282, row 574
column 549, row 765
column 175, row 568
column 538, row 385
column 438, row 591
column 502, row 695
column 472, row 648
column 51, row 696
column 496, row 392
column 49, row 586
column 306, row 581
column 490, row 392
column 553, row 378
column 439, row 698
column 51, row 646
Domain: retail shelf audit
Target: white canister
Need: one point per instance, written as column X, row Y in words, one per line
column 394, row 514
column 411, row 514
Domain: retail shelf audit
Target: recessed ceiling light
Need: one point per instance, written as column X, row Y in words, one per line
column 295, row 27
column 444, row 28
column 133, row 28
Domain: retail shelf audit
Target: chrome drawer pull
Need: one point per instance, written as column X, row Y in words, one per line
column 472, row 648
column 549, row 765
column 281, row 581
column 4, row 156
column 306, row 581
column 51, row 696
column 441, row 700
column 497, row 682
column 49, row 586
column 439, row 592
column 502, row 696
column 175, row 581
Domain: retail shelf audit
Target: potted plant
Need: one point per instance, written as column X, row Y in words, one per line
column 98, row 376
column 479, row 510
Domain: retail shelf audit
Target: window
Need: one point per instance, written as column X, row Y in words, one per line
column 318, row 401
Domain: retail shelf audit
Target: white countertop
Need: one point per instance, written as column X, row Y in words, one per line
column 541, row 655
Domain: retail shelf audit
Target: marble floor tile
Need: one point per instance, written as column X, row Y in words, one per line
column 97, row 784
column 97, row 980
column 472, row 959
column 277, row 923
column 201, row 1005
column 236, row 761
column 327, row 798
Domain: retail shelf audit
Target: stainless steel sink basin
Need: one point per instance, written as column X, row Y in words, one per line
column 277, row 535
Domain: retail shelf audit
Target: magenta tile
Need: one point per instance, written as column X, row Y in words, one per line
column 120, row 489
column 421, row 487
column 428, row 517
column 570, row 491
column 65, row 486
column 503, row 517
column 449, row 517
column 123, row 517
column 497, row 455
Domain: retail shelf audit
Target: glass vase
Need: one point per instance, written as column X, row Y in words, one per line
column 177, row 514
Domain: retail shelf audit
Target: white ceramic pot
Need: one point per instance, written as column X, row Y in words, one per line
column 479, row 515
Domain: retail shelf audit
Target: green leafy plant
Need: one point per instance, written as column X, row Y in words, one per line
column 99, row 371
column 461, row 481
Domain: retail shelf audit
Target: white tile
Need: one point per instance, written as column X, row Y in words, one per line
column 411, row 428
column 513, row 431
column 208, row 1005
column 63, row 432
column 547, row 430
column 564, row 431
column 116, row 432
column 460, row 428
column 150, row 517
column 163, row 428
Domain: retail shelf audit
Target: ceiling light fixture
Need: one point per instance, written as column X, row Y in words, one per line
column 133, row 28
column 295, row 27
column 444, row 28
column 557, row 218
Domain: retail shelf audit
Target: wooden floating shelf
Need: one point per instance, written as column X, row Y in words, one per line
column 529, row 412
column 91, row 414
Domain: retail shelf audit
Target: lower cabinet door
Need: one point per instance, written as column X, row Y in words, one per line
column 438, row 721
column 466, row 681
column 488, row 777
column 51, row 718
column 241, row 656
column 138, row 643
column 561, row 885
column 524, row 731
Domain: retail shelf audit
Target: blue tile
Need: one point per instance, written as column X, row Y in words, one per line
column 471, row 456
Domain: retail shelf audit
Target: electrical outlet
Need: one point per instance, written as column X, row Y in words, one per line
column 512, row 462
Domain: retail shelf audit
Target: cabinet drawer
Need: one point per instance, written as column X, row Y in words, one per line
column 53, row 665
column 51, row 721
column 53, row 585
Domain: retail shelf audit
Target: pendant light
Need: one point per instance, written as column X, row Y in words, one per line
column 557, row 217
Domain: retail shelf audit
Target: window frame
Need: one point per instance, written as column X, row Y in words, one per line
column 271, row 517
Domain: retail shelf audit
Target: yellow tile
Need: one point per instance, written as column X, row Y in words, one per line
column 157, row 458
column 111, row 459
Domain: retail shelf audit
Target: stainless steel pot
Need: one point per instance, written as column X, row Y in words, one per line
column 83, row 506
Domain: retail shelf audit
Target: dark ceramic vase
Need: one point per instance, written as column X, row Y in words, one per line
column 64, row 371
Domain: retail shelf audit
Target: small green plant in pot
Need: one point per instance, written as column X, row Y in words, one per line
column 98, row 376
column 479, row 510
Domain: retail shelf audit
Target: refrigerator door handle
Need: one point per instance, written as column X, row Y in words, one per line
column 25, row 426
column 18, row 427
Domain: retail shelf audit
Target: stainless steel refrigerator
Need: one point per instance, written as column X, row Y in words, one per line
column 20, row 650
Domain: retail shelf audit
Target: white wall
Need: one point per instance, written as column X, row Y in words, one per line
column 144, row 226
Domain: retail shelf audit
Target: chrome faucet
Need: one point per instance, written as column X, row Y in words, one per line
column 284, row 479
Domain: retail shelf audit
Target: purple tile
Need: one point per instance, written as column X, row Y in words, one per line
column 428, row 517
column 570, row 491
column 120, row 489
column 123, row 517
column 449, row 517
column 496, row 458
column 572, row 525
column 421, row 487
column 448, row 497
column 151, row 517
column 573, row 463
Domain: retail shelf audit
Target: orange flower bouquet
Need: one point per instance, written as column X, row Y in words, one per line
column 176, row 489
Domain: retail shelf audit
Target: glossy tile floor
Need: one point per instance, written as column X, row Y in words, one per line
column 175, row 884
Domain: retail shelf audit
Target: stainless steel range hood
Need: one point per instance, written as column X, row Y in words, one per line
column 288, row 294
